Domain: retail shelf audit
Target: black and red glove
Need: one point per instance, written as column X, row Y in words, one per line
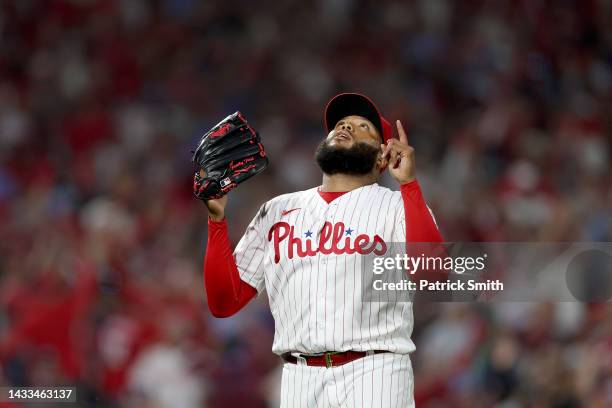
column 230, row 153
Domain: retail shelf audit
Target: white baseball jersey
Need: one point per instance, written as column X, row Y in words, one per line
column 307, row 253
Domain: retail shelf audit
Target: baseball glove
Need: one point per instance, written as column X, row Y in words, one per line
column 230, row 153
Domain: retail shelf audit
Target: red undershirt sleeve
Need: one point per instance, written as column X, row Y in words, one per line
column 226, row 292
column 420, row 224
column 421, row 228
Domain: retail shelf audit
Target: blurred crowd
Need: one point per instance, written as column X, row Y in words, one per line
column 507, row 103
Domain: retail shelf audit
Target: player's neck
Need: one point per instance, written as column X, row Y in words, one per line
column 345, row 182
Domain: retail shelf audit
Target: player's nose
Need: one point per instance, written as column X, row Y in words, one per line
column 347, row 126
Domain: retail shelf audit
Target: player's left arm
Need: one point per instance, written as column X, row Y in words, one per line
column 417, row 217
column 420, row 224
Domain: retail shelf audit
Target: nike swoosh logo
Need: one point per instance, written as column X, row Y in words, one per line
column 289, row 211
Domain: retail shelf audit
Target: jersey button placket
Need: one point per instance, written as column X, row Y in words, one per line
column 321, row 303
column 321, row 317
column 323, row 260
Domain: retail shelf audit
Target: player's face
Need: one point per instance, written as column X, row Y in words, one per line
column 354, row 129
column 352, row 147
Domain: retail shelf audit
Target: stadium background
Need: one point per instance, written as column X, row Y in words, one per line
column 508, row 105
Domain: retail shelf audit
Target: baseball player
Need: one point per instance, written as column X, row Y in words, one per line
column 304, row 249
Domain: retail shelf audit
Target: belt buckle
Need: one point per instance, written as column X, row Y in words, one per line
column 328, row 360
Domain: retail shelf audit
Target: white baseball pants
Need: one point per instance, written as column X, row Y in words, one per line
column 377, row 381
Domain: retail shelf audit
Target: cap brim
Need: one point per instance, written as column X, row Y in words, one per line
column 347, row 104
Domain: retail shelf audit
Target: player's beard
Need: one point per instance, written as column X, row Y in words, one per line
column 358, row 159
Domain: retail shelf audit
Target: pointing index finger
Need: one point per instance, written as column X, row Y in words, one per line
column 402, row 133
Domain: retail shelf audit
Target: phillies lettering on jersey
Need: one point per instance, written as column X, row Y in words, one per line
column 307, row 255
column 332, row 234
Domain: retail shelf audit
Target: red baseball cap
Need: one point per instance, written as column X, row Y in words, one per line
column 347, row 104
